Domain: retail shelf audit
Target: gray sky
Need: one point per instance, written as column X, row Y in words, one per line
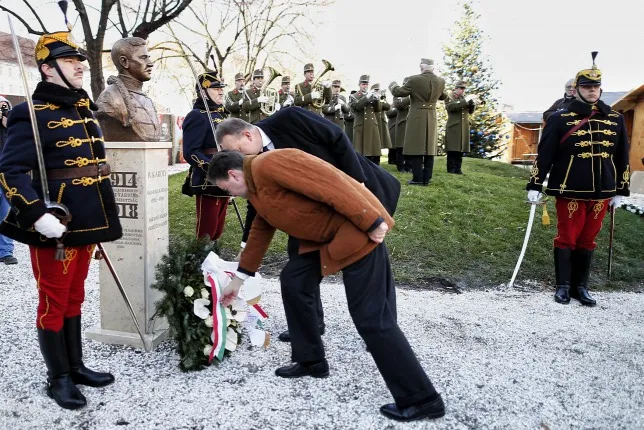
column 534, row 47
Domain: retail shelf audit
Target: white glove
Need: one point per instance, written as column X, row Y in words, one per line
column 534, row 196
column 338, row 106
column 241, row 101
column 326, row 84
column 277, row 107
column 262, row 99
column 288, row 102
column 616, row 201
column 469, row 97
column 369, row 94
column 315, row 95
column 49, row 226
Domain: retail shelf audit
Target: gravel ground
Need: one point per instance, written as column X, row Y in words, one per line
column 501, row 360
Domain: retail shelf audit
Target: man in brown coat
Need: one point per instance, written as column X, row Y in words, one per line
column 344, row 225
column 421, row 135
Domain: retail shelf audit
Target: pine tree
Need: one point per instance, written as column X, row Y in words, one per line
column 464, row 60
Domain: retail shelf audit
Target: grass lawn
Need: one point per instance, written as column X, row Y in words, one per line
column 465, row 230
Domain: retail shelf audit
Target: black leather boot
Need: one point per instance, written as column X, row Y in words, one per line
column 426, row 177
column 79, row 373
column 562, row 273
column 582, row 261
column 60, row 386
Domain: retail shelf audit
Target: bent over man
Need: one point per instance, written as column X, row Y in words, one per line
column 585, row 149
column 78, row 177
column 342, row 225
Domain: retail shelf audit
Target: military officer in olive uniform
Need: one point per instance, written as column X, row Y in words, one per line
column 198, row 148
column 348, row 120
column 381, row 109
column 286, row 97
column 235, row 99
column 78, row 177
column 366, row 129
column 337, row 107
column 402, row 107
column 306, row 95
column 421, row 136
column 392, row 113
column 253, row 98
column 585, row 149
column 457, row 129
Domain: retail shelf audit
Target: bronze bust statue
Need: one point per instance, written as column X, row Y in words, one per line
column 125, row 112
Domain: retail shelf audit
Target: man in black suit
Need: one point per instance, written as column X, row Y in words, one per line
column 300, row 279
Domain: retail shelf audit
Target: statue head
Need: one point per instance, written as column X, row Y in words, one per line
column 130, row 56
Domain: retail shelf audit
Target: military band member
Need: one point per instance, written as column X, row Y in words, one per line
column 306, row 95
column 421, row 136
column 337, row 107
column 381, row 107
column 392, row 113
column 286, row 97
column 235, row 99
column 585, row 149
column 78, row 177
column 366, row 130
column 348, row 120
column 402, row 106
column 253, row 98
column 457, row 130
column 198, row 148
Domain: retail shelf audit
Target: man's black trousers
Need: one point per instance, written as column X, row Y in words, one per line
column 371, row 298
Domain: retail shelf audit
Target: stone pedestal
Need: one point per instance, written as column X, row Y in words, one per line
column 637, row 182
column 140, row 181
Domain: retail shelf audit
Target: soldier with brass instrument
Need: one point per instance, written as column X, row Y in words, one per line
column 198, row 148
column 286, row 97
column 253, row 97
column 457, row 130
column 381, row 107
column 402, row 107
column 366, row 129
column 349, row 117
column 421, row 135
column 585, row 150
column 71, row 149
column 235, row 99
column 337, row 107
column 310, row 94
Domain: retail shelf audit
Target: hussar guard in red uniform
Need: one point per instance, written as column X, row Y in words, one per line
column 585, row 149
column 78, row 177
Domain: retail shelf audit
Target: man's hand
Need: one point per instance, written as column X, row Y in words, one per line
column 262, row 99
column 241, row 101
column 277, row 107
column 378, row 234
column 534, row 196
column 616, row 201
column 49, row 226
column 338, row 107
column 369, row 94
column 326, row 84
column 315, row 95
column 231, row 291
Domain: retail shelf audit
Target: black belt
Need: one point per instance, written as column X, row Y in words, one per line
column 94, row 171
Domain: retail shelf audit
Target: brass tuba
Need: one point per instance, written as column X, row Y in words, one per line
column 268, row 108
column 317, row 86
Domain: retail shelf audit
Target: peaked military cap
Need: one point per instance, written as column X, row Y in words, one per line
column 308, row 67
column 239, row 76
column 259, row 73
column 286, row 80
column 592, row 76
column 460, row 84
column 375, row 87
column 58, row 44
column 364, row 78
column 427, row 61
column 336, row 83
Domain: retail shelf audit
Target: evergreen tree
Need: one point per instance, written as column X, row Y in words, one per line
column 464, row 60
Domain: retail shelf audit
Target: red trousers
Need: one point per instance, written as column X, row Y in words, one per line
column 61, row 284
column 579, row 222
column 211, row 216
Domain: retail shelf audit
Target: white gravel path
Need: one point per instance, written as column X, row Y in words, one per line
column 502, row 361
